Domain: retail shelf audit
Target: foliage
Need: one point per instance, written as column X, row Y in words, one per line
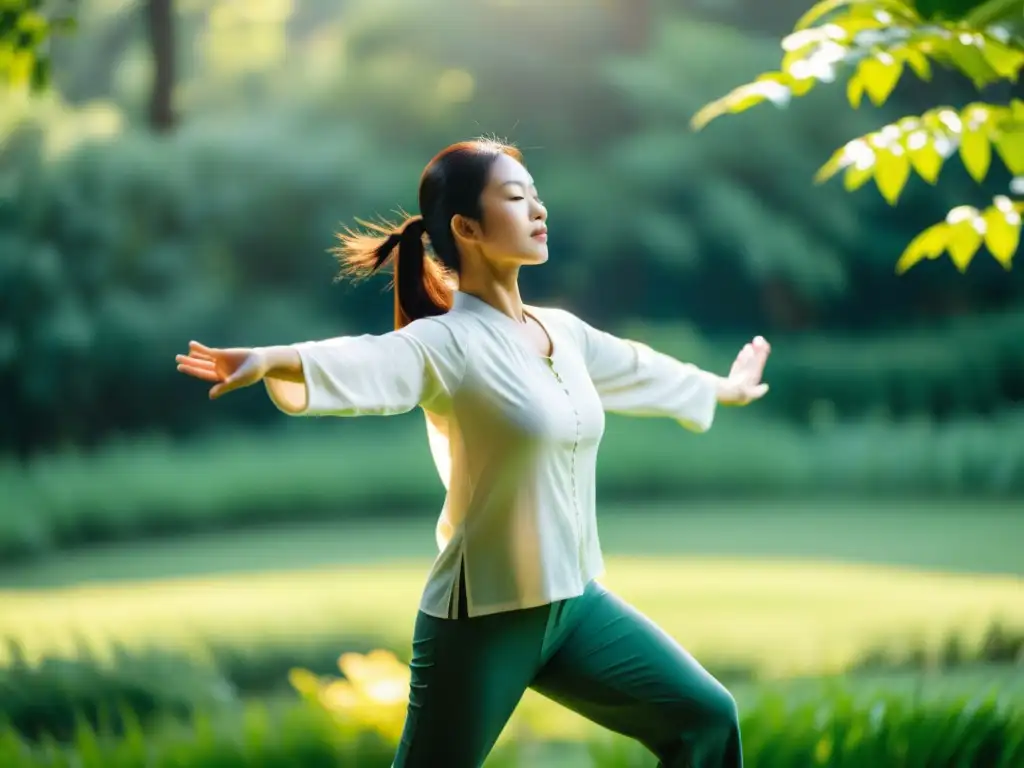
column 835, row 729
column 56, row 695
column 345, row 471
column 25, row 29
column 116, row 246
column 945, row 370
column 880, row 40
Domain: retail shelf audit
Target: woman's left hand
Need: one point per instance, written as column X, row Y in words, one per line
column 743, row 384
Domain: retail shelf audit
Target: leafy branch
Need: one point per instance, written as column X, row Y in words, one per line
column 876, row 42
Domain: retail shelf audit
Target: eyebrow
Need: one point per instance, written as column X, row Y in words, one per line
column 519, row 183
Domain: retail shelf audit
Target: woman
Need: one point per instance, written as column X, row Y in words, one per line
column 514, row 398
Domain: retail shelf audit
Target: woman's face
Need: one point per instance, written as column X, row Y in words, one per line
column 513, row 232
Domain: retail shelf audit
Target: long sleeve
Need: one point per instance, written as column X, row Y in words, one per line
column 391, row 373
column 633, row 379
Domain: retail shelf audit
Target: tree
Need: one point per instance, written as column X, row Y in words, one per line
column 27, row 26
column 877, row 42
column 160, row 29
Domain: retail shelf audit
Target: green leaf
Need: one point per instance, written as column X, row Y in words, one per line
column 1006, row 61
column 880, row 73
column 966, row 226
column 854, row 90
column 1002, row 230
column 840, row 159
column 772, row 87
column 19, row 68
column 1010, row 147
column 856, row 177
column 976, row 151
column 927, row 245
column 8, row 21
column 892, row 169
column 819, row 11
column 964, row 52
column 924, row 157
column 992, row 12
column 916, row 59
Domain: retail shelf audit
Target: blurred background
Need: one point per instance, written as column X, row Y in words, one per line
column 179, row 578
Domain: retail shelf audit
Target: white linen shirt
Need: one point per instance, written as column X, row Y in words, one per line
column 514, row 436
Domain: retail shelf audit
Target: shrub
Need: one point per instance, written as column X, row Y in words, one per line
column 342, row 469
column 56, row 696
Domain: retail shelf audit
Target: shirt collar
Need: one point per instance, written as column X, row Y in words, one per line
column 466, row 302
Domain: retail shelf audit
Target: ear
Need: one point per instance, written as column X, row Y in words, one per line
column 465, row 228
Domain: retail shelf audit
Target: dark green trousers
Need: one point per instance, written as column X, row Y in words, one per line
column 593, row 654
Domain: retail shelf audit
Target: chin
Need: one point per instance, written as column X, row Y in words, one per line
column 539, row 256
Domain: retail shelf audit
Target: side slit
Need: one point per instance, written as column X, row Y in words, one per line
column 457, row 599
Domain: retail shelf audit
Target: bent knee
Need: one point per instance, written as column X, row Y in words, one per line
column 725, row 712
column 711, row 715
column 703, row 731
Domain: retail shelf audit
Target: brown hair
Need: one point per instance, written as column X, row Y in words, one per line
column 424, row 283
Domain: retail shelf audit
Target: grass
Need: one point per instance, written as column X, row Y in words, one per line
column 957, row 536
column 795, row 591
column 790, row 590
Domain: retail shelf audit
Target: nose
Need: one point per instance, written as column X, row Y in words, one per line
column 540, row 213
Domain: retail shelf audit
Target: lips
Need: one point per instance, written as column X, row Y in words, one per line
column 541, row 234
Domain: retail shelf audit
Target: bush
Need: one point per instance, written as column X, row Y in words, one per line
column 55, row 696
column 959, row 368
column 343, row 469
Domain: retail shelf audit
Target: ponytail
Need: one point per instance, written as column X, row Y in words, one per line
column 422, row 285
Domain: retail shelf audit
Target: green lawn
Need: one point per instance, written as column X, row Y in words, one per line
column 953, row 536
column 790, row 590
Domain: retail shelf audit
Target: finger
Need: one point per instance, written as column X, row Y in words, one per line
column 759, row 391
column 228, row 385
column 195, row 362
column 762, row 345
column 205, row 374
column 202, row 351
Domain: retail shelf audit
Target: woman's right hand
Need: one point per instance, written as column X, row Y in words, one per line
column 229, row 369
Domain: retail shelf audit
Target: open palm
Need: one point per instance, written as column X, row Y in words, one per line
column 747, row 370
column 227, row 369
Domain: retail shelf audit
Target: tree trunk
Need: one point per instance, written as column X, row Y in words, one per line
column 160, row 25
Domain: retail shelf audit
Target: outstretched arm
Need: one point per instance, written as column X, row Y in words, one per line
column 631, row 378
column 392, row 373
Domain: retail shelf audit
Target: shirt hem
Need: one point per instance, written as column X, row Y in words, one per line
column 473, row 612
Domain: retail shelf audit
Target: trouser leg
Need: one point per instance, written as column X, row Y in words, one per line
column 468, row 675
column 618, row 669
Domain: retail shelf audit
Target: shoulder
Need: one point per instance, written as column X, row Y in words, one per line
column 446, row 329
column 563, row 320
column 440, row 337
column 556, row 316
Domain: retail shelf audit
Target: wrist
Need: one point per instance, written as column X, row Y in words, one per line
column 727, row 392
column 282, row 362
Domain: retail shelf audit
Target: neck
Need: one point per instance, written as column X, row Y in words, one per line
column 499, row 289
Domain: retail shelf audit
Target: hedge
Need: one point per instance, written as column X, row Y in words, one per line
column 335, row 469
